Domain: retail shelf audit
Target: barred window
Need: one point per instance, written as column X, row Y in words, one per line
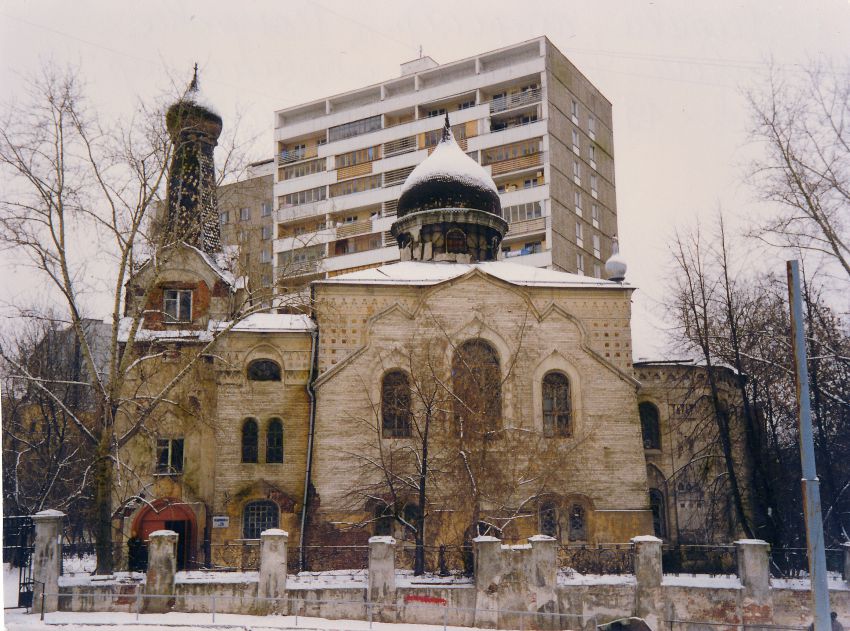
column 548, row 518
column 578, row 523
column 274, row 441
column 259, row 516
column 556, row 405
column 263, row 370
column 249, row 441
column 395, row 405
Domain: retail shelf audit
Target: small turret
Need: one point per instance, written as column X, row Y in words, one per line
column 616, row 266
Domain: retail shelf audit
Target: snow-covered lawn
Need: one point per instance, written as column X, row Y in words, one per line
column 176, row 621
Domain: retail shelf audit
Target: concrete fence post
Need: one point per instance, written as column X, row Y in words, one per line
column 381, row 569
column 488, row 575
column 272, row 579
column 162, row 566
column 845, row 571
column 543, row 579
column 753, row 556
column 47, row 559
column 648, row 575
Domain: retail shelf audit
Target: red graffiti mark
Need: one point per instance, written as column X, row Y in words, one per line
column 432, row 600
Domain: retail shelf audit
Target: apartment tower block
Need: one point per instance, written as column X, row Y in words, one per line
column 524, row 112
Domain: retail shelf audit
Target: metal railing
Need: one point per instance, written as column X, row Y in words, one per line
column 698, row 559
column 611, row 558
column 518, row 99
column 794, row 562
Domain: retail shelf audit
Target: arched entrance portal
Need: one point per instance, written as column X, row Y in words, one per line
column 169, row 514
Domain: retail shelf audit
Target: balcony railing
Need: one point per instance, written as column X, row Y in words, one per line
column 400, row 146
column 396, row 177
column 526, row 97
column 527, row 226
column 293, row 155
column 354, row 228
column 517, row 164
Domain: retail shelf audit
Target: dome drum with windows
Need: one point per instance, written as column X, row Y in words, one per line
column 449, row 209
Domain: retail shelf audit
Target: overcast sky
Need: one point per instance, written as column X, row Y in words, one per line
column 674, row 70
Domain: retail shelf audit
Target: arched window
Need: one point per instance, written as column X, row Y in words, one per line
column 395, row 405
column 649, row 426
column 548, row 519
column 659, row 520
column 249, row 440
column 264, row 370
column 259, row 516
column 455, row 241
column 477, row 384
column 578, row 523
column 556, row 405
column 274, row 441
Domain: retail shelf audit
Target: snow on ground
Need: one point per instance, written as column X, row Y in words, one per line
column 720, row 581
column 571, row 577
column 15, row 621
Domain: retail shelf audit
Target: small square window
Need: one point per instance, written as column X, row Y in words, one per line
column 177, row 305
column 244, row 214
column 266, row 209
column 267, row 233
column 223, row 217
column 266, row 256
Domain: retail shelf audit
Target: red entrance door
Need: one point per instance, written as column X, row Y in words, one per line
column 169, row 514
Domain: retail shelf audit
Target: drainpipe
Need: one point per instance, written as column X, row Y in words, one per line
column 314, row 345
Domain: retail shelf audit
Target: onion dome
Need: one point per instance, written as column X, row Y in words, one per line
column 191, row 113
column 449, row 208
column 616, row 266
column 449, row 178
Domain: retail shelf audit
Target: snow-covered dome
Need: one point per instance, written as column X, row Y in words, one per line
column 448, row 178
column 616, row 266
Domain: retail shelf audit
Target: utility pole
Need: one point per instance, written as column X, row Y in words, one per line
column 811, row 484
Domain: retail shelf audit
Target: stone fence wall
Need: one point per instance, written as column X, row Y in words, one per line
column 517, row 586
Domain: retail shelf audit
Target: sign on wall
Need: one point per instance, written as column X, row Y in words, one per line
column 220, row 521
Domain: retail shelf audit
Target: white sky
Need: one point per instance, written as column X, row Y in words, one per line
column 674, row 70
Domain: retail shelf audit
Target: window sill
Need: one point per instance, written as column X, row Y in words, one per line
column 168, row 474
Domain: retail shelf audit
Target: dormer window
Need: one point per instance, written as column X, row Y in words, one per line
column 177, row 305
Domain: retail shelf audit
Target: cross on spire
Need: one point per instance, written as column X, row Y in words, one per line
column 194, row 84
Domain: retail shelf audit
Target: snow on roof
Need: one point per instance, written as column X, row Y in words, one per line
column 271, row 323
column 429, row 273
column 449, row 160
column 254, row 323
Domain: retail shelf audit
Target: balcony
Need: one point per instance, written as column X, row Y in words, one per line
column 517, row 164
column 400, row 146
column 294, row 155
column 527, row 226
column 519, row 99
column 354, row 228
column 344, row 173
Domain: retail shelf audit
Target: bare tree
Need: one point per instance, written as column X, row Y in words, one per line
column 803, row 126
column 78, row 205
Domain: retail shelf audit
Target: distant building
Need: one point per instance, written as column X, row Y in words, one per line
column 524, row 112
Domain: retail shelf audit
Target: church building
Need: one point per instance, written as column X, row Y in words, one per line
column 448, row 395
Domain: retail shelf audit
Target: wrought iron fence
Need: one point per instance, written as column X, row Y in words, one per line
column 235, row 556
column 698, row 559
column 612, row 558
column 326, row 558
column 442, row 560
column 794, row 562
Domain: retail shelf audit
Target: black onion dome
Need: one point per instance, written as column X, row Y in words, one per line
column 448, row 178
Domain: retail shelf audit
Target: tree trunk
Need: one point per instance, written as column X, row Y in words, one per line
column 419, row 560
column 103, row 506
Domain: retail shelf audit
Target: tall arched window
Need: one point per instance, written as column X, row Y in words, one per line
column 274, row 441
column 263, row 370
column 548, row 519
column 556, row 405
column 249, row 440
column 659, row 519
column 649, row 426
column 395, row 405
column 477, row 384
column 578, row 523
column 259, row 516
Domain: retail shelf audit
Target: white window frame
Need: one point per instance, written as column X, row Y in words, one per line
column 579, row 234
column 577, row 200
column 576, row 143
column 173, row 297
column 597, row 246
column 266, row 209
column 580, row 263
column 245, row 214
column 594, row 186
column 591, row 127
column 594, row 215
